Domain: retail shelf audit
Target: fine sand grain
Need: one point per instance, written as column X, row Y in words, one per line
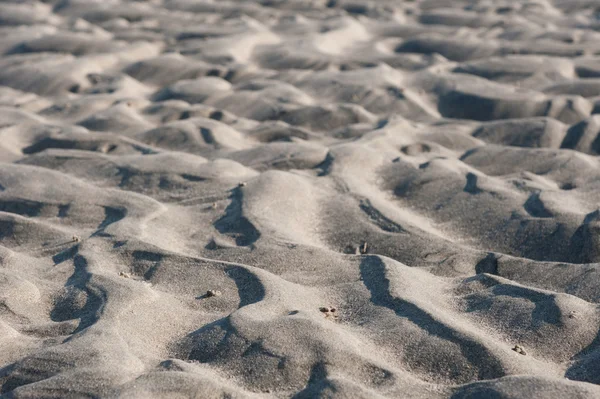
column 299, row 198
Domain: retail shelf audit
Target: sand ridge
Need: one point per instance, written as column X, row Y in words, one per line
column 307, row 198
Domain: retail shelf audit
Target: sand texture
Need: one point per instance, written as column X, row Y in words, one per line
column 300, row 198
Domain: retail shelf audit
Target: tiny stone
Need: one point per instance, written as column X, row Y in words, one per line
column 242, row 184
column 210, row 293
column 324, row 310
column 123, row 274
column 76, row 239
column 519, row 349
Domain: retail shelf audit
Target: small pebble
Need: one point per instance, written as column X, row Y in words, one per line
column 519, row 349
column 242, row 184
column 125, row 275
column 76, row 239
column 210, row 293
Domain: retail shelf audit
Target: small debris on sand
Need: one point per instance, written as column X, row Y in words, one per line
column 358, row 250
column 364, row 248
column 124, row 275
column 242, row 184
column 329, row 312
column 519, row 349
column 210, row 293
column 76, row 239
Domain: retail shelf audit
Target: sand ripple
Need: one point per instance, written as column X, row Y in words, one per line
column 308, row 198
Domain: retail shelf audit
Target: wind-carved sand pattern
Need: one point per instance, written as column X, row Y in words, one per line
column 303, row 198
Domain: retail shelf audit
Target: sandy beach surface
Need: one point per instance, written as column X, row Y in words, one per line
column 299, row 198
